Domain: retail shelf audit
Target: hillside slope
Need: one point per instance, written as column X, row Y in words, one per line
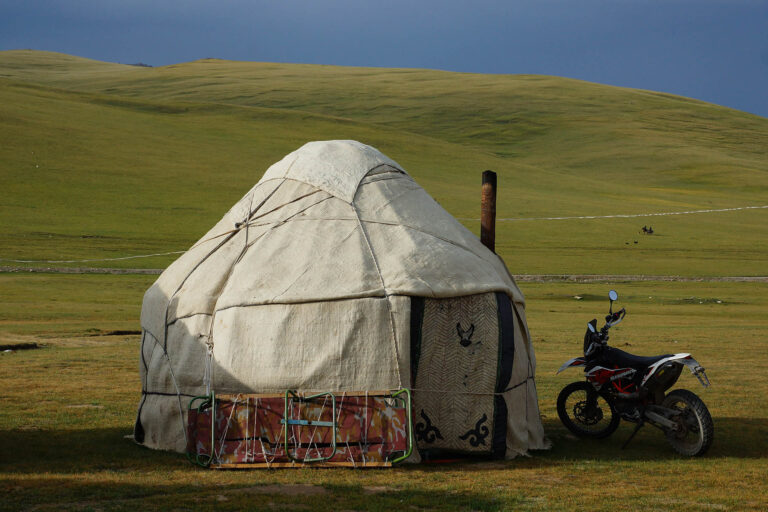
column 141, row 160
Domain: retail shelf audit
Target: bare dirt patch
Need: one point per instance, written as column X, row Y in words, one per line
column 286, row 490
column 375, row 489
column 115, row 333
column 588, row 278
column 529, row 278
column 490, row 465
column 81, row 270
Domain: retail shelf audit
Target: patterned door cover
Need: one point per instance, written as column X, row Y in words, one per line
column 461, row 357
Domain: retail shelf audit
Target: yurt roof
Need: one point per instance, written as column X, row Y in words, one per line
column 335, row 166
column 334, row 220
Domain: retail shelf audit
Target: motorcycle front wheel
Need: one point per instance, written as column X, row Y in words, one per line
column 695, row 429
column 585, row 412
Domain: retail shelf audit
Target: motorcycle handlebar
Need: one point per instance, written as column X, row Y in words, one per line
column 615, row 318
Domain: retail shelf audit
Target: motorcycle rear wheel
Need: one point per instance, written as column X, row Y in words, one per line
column 585, row 412
column 696, row 429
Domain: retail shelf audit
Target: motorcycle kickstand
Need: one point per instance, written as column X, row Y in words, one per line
column 632, row 435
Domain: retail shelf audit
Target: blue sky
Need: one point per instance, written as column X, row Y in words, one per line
column 714, row 50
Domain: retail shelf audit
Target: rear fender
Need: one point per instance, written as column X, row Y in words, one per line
column 576, row 361
column 684, row 359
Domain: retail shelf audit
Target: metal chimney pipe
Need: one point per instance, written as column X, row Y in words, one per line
column 488, row 211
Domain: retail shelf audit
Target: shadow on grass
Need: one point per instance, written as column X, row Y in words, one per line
column 68, row 494
column 745, row 438
column 24, row 451
column 100, row 469
column 63, row 451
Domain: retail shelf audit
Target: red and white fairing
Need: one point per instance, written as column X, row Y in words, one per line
column 576, row 361
column 600, row 374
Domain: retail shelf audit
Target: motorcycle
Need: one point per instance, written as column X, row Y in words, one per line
column 620, row 385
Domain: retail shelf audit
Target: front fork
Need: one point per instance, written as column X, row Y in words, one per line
column 591, row 407
column 592, row 398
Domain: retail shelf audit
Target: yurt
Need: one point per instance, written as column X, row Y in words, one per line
column 338, row 272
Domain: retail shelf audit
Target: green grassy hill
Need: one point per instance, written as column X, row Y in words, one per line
column 102, row 160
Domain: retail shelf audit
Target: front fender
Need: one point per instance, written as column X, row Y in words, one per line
column 576, row 361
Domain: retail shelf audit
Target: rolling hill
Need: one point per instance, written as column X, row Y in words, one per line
column 103, row 160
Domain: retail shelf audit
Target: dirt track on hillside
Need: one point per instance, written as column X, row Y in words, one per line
column 587, row 278
column 522, row 278
column 79, row 270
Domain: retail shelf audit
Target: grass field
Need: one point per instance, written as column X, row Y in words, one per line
column 101, row 160
column 67, row 407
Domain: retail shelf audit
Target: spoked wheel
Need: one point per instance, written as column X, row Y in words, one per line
column 585, row 412
column 695, row 429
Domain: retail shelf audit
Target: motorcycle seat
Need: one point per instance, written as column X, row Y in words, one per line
column 623, row 359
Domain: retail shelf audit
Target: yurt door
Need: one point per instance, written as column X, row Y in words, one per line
column 461, row 357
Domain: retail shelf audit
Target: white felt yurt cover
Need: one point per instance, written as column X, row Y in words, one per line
column 306, row 283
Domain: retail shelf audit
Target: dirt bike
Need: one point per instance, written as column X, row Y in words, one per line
column 620, row 385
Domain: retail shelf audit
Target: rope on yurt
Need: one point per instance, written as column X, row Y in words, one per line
column 531, row 375
column 261, row 443
column 365, row 422
column 138, row 429
column 240, row 225
column 168, row 306
column 280, row 223
column 121, row 258
column 289, row 407
column 338, row 419
column 247, row 419
column 223, row 437
column 178, row 394
column 173, row 379
column 208, row 371
column 474, row 393
column 208, row 255
column 246, row 223
column 314, row 431
column 276, row 445
column 349, row 452
column 386, row 296
column 588, row 217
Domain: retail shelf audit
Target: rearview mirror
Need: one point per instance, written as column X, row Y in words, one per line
column 613, row 295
